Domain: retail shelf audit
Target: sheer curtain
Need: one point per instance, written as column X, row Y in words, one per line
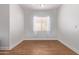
column 41, row 24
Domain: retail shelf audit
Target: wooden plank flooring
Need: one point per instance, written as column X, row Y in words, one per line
column 39, row 47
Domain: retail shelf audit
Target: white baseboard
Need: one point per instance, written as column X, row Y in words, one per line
column 72, row 48
column 13, row 46
column 40, row 39
column 4, row 48
column 9, row 48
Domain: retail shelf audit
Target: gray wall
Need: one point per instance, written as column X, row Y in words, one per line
column 16, row 25
column 4, row 26
column 28, row 23
column 69, row 25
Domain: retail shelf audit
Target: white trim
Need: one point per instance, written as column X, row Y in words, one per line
column 4, row 48
column 40, row 39
column 72, row 48
column 13, row 46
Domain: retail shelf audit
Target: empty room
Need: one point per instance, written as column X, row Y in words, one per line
column 39, row 29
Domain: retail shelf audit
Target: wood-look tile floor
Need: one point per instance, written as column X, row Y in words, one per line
column 39, row 47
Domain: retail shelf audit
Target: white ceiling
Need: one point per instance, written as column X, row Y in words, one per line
column 40, row 6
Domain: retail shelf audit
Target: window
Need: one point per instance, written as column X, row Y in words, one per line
column 41, row 24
